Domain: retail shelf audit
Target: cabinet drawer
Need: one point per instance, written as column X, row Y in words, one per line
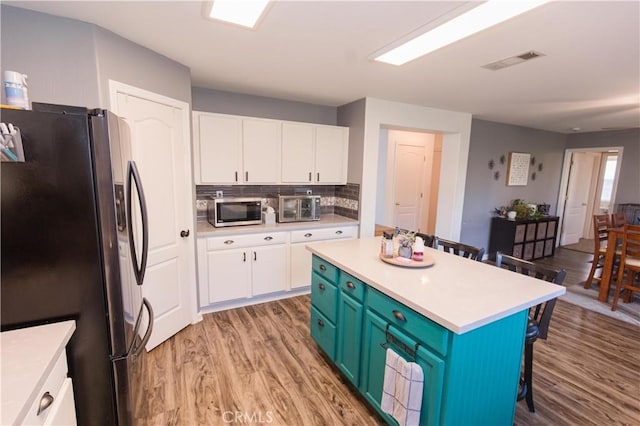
column 52, row 385
column 324, row 296
column 325, row 269
column 411, row 322
column 351, row 285
column 318, row 234
column 323, row 332
column 249, row 240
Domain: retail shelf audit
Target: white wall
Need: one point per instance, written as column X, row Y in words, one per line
column 455, row 127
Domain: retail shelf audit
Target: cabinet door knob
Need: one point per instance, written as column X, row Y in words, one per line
column 45, row 402
column 350, row 285
column 321, row 323
column 321, row 286
column 399, row 316
column 184, row 234
column 323, row 268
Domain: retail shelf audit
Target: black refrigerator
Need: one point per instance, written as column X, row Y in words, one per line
column 64, row 210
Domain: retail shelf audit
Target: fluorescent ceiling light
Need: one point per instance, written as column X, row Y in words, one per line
column 240, row 12
column 477, row 19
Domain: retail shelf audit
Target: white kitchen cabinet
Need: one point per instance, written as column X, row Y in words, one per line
column 314, row 153
column 35, row 386
column 231, row 149
column 301, row 257
column 261, row 151
column 218, row 148
column 242, row 266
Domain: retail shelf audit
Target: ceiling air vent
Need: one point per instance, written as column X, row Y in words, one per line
column 514, row 60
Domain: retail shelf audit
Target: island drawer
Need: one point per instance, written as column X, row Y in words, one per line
column 423, row 329
column 352, row 286
column 324, row 296
column 323, row 332
column 325, row 269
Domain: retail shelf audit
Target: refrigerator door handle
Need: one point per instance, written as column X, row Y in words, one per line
column 133, row 177
column 136, row 349
column 132, row 348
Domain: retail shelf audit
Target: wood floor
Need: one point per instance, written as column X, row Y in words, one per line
column 258, row 364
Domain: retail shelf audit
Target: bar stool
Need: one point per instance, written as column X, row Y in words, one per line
column 539, row 316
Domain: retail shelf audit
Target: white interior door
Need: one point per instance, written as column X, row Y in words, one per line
column 409, row 164
column 160, row 146
column 577, row 200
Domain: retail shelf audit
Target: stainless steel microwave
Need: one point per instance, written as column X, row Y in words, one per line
column 298, row 208
column 235, row 211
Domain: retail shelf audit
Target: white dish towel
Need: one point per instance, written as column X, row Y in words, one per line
column 402, row 390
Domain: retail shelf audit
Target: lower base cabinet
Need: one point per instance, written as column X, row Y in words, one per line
column 469, row 379
column 349, row 334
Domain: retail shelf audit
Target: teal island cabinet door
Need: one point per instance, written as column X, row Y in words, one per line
column 373, row 365
column 349, row 336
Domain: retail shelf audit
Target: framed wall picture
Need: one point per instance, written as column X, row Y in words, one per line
column 518, row 168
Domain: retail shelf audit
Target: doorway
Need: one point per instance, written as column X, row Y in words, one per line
column 588, row 187
column 408, row 179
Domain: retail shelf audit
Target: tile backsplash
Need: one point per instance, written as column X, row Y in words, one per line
column 337, row 199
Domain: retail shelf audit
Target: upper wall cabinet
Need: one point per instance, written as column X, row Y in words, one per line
column 232, row 149
column 313, row 153
column 236, row 150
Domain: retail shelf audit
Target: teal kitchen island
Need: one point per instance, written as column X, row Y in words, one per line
column 463, row 322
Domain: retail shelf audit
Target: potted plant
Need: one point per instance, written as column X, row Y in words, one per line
column 406, row 240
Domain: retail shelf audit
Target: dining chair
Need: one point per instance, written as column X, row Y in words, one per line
column 539, row 316
column 601, row 223
column 428, row 239
column 618, row 219
column 629, row 263
column 459, row 249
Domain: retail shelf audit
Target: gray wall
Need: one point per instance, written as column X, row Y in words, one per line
column 483, row 193
column 70, row 62
column 353, row 115
column 629, row 180
column 56, row 53
column 126, row 62
column 258, row 106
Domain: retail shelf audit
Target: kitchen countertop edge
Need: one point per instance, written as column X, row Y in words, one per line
column 205, row 229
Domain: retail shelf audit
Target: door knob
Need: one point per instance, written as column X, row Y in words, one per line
column 397, row 204
column 184, row 234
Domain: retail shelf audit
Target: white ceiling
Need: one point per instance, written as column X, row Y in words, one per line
column 320, row 52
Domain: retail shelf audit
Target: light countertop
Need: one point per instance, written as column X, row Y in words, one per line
column 457, row 293
column 28, row 355
column 205, row 229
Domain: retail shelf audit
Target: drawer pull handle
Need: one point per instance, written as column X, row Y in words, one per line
column 269, row 238
column 45, row 402
column 321, row 286
column 339, row 232
column 308, row 234
column 323, row 268
column 399, row 316
column 350, row 285
column 229, row 242
column 321, row 323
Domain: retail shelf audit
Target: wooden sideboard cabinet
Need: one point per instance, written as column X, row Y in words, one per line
column 527, row 239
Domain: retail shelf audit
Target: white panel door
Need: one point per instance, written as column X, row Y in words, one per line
column 408, row 186
column 219, row 145
column 261, row 145
column 161, row 149
column 297, row 152
column 578, row 189
column 269, row 271
column 331, row 154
